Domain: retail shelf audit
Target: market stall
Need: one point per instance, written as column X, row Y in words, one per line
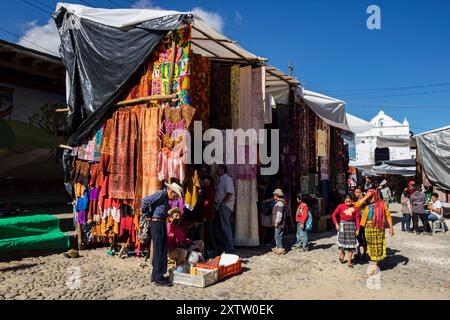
column 136, row 82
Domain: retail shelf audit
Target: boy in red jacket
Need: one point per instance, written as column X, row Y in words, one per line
column 300, row 218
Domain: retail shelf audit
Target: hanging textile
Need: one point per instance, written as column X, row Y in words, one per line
column 149, row 147
column 162, row 58
column 107, row 146
column 123, row 159
column 220, row 96
column 246, row 226
column 235, row 85
column 192, row 191
column 201, row 81
column 245, row 98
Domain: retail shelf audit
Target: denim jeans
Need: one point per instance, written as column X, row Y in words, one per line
column 302, row 236
column 432, row 218
column 279, row 234
column 225, row 223
column 406, row 222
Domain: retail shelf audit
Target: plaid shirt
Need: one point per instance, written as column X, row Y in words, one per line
column 156, row 205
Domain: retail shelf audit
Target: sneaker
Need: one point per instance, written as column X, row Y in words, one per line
column 164, row 283
column 305, row 249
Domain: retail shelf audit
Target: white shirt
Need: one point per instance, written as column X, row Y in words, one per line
column 437, row 205
column 224, row 186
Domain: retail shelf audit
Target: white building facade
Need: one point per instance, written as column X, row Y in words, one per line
column 367, row 152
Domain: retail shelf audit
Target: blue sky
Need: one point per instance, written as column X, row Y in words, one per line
column 332, row 50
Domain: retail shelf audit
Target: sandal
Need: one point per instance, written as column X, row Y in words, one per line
column 350, row 266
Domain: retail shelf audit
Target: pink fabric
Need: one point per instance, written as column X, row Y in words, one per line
column 171, row 163
column 176, row 236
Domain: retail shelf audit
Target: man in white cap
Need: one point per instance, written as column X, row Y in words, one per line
column 154, row 209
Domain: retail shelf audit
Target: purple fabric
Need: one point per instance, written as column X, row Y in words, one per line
column 168, row 127
column 177, row 203
column 94, row 193
column 82, row 217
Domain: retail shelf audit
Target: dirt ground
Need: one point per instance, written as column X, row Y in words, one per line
column 417, row 267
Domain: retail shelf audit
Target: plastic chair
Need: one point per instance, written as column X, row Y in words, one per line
column 440, row 227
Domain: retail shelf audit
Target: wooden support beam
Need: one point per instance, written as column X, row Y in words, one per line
column 148, row 99
column 63, row 146
column 221, row 40
column 62, row 110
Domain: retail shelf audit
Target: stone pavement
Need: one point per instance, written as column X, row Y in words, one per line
column 417, row 267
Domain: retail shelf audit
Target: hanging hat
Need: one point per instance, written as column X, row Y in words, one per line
column 175, row 188
column 278, row 192
column 411, row 183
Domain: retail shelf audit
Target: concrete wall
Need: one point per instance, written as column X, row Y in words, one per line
column 26, row 101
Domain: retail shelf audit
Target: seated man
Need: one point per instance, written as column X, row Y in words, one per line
column 179, row 246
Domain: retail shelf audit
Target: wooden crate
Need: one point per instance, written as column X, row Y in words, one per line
column 200, row 281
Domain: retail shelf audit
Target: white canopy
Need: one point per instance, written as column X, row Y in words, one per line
column 358, row 125
column 205, row 40
column 330, row 110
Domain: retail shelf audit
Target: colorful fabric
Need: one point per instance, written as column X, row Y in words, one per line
column 176, row 115
column 177, row 237
column 235, row 92
column 201, row 80
column 376, row 242
column 192, row 191
column 147, row 162
column 123, row 178
column 162, row 59
column 107, row 146
column 346, row 237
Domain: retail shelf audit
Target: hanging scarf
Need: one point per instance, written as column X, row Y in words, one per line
column 379, row 212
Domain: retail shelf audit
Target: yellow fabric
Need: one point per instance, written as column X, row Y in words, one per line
column 79, row 190
column 365, row 214
column 192, row 191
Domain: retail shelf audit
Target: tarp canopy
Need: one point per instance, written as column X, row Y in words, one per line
column 385, row 169
column 434, row 153
column 330, row 110
column 401, row 163
column 102, row 50
column 358, row 125
column 388, row 141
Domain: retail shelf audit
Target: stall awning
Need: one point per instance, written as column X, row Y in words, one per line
column 434, row 154
column 387, row 169
column 394, row 141
column 330, row 110
column 358, row 125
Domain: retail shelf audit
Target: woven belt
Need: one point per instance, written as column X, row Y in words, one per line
column 155, row 219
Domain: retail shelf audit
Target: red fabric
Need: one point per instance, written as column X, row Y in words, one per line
column 176, row 236
column 209, row 211
column 302, row 213
column 344, row 216
column 379, row 212
column 127, row 232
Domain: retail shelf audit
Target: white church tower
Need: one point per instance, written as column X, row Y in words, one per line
column 385, row 126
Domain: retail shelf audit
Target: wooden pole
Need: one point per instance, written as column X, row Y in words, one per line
column 63, row 146
column 62, row 110
column 148, row 99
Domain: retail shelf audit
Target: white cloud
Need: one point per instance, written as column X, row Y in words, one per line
column 238, row 18
column 45, row 36
column 213, row 19
column 145, row 4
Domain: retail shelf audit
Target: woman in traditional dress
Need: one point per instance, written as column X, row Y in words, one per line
column 348, row 229
column 374, row 218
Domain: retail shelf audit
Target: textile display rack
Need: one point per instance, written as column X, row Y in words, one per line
column 120, row 152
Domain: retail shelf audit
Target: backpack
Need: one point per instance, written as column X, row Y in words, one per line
column 309, row 222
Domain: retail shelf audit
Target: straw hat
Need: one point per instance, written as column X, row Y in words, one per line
column 278, row 192
column 175, row 188
column 173, row 210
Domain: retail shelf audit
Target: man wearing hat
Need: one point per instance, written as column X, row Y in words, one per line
column 154, row 209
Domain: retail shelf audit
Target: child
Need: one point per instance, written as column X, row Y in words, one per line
column 179, row 245
column 348, row 229
column 279, row 220
column 301, row 217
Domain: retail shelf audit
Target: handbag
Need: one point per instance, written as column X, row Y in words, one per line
column 309, row 222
